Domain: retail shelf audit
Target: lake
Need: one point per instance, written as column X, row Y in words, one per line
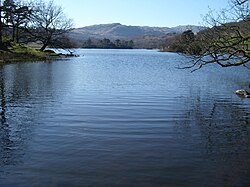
column 123, row 118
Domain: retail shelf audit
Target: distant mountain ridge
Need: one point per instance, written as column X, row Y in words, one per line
column 118, row 31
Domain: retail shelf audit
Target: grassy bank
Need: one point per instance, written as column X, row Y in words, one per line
column 18, row 53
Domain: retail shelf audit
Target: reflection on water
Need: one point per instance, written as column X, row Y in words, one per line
column 224, row 128
column 122, row 118
column 17, row 110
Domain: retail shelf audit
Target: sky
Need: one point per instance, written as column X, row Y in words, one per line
column 163, row 13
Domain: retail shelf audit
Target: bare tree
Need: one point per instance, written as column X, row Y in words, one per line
column 227, row 41
column 48, row 23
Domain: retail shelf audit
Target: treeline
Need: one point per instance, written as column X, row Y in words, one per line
column 38, row 21
column 228, row 38
column 187, row 43
column 108, row 44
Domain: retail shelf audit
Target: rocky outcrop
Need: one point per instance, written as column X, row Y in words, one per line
column 242, row 93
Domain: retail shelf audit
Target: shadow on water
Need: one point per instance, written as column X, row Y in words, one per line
column 3, row 99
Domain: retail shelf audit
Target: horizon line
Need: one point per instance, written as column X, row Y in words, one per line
column 198, row 25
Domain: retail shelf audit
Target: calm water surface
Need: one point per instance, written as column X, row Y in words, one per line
column 123, row 118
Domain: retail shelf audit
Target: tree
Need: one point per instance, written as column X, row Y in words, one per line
column 64, row 42
column 48, row 23
column 131, row 44
column 89, row 42
column 16, row 14
column 187, row 36
column 118, row 42
column 227, row 41
column 184, row 43
column 8, row 14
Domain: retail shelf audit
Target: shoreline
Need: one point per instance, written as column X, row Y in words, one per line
column 21, row 53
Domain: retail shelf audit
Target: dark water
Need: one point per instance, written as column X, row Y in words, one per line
column 123, row 118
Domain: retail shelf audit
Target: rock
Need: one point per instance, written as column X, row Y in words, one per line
column 49, row 51
column 242, row 93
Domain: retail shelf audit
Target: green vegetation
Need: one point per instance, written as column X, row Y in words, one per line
column 35, row 21
column 40, row 22
column 186, row 43
column 108, row 44
column 223, row 39
column 18, row 52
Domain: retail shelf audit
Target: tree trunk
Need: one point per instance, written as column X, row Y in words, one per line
column 46, row 43
column 17, row 35
column 13, row 33
column 44, row 46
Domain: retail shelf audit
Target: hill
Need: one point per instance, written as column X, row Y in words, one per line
column 118, row 31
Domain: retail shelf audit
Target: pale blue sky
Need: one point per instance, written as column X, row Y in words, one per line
column 167, row 13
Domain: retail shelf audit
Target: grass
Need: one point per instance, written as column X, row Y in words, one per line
column 19, row 52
